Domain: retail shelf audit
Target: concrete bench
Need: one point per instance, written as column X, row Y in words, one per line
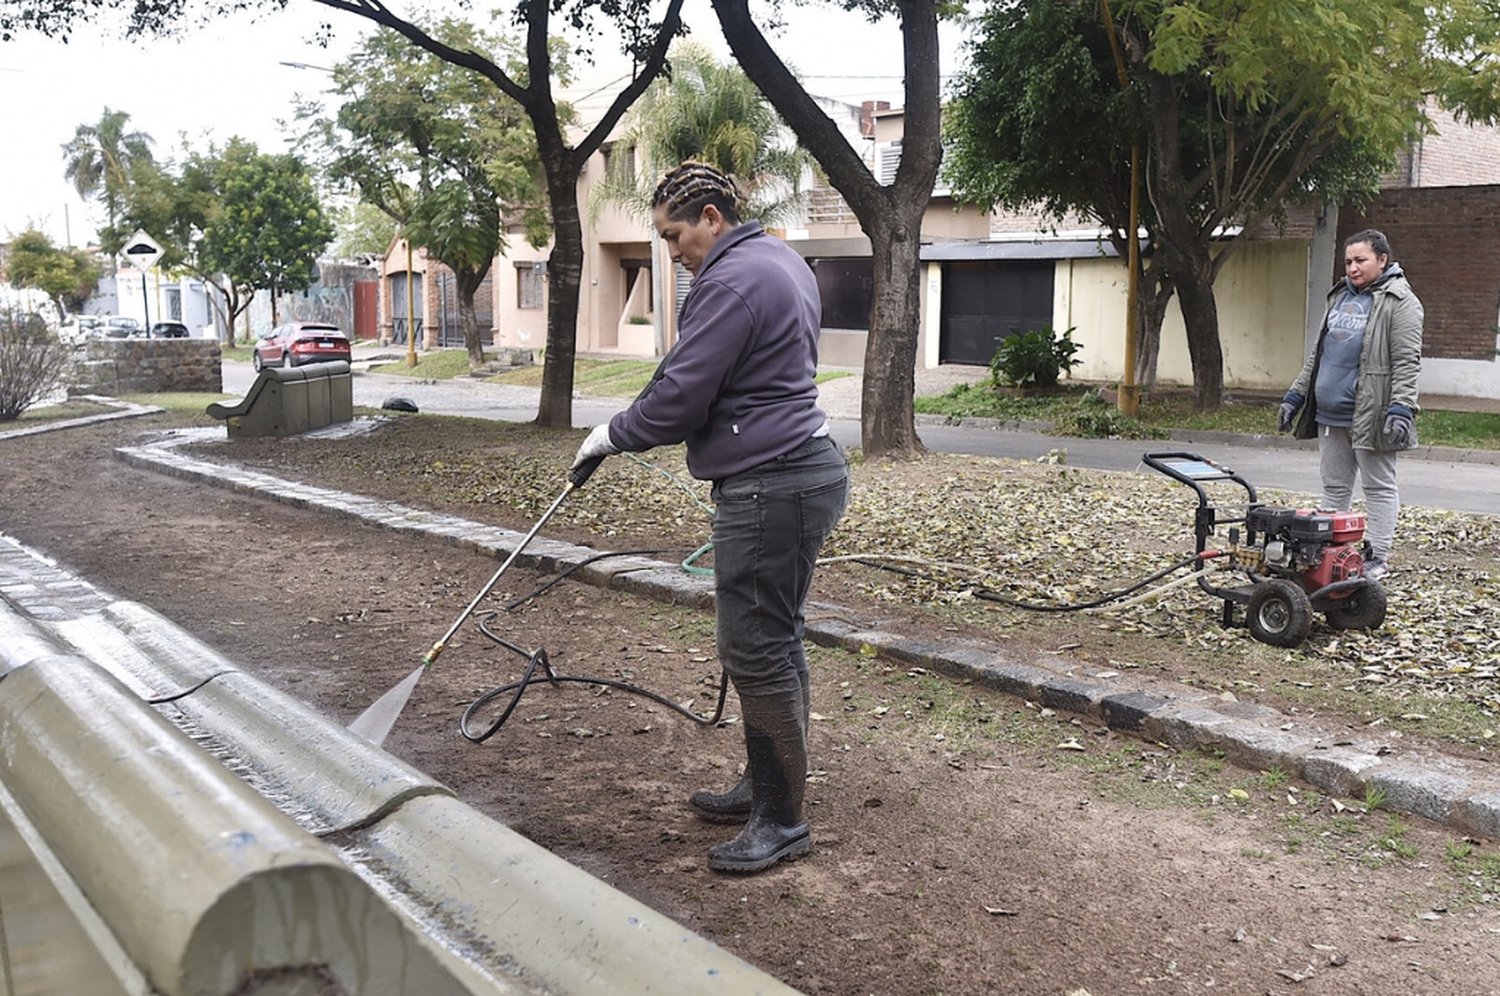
column 284, row 401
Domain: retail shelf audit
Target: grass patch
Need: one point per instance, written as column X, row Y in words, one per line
column 1077, row 410
column 1073, row 410
column 193, row 402
column 72, row 408
column 1468, row 430
column 598, row 378
column 445, row 364
column 611, row 378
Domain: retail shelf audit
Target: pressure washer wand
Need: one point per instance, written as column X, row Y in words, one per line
column 376, row 721
column 576, row 478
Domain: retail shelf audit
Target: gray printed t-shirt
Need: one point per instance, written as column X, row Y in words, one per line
column 1338, row 371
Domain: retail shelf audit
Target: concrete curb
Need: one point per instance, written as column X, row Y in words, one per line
column 1445, row 790
column 441, row 898
column 200, row 881
column 126, row 410
column 1448, row 791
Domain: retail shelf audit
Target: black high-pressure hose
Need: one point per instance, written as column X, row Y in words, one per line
column 994, row 596
column 538, row 659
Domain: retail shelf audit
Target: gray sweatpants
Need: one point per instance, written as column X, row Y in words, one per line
column 1339, row 462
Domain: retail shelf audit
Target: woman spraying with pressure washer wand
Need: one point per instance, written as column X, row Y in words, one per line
column 738, row 389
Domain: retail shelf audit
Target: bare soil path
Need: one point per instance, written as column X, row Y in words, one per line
column 964, row 842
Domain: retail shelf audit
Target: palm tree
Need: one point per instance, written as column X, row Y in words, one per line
column 711, row 112
column 100, row 156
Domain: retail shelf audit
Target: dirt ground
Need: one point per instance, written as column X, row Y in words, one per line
column 964, row 842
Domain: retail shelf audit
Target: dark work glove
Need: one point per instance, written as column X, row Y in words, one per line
column 1285, row 415
column 1398, row 427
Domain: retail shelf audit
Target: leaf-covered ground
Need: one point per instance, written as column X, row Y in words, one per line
column 953, row 535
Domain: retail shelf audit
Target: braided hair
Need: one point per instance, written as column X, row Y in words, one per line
column 687, row 189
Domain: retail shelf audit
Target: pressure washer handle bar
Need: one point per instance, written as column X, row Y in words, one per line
column 1194, row 471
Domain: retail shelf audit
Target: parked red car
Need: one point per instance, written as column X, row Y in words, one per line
column 296, row 343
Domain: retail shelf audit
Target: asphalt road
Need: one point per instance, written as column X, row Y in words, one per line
column 1463, row 485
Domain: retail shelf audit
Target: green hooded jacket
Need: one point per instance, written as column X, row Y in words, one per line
column 1390, row 364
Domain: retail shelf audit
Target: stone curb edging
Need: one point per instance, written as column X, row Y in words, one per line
column 1444, row 790
column 494, row 913
column 126, row 410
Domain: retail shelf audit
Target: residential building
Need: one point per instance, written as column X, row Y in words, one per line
column 987, row 273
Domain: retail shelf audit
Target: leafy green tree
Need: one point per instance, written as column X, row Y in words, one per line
column 1244, row 108
column 436, row 148
column 711, row 112
column 645, row 39
column 362, row 229
column 175, row 203
column 67, row 276
column 268, row 227
column 1037, row 117
column 99, row 158
column 890, row 215
column 1307, row 99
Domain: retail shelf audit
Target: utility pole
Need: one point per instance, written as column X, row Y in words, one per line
column 1130, row 392
column 411, row 321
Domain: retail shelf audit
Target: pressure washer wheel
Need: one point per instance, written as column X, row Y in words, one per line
column 1279, row 613
column 1361, row 609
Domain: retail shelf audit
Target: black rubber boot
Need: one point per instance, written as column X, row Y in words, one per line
column 733, row 804
column 777, row 753
column 730, row 806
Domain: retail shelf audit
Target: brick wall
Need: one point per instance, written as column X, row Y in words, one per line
column 1443, row 237
column 133, row 366
column 1454, row 154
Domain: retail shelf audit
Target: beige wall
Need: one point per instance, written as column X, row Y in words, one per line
column 1262, row 299
column 514, row 327
column 604, row 306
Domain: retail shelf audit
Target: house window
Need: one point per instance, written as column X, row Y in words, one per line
column 529, row 285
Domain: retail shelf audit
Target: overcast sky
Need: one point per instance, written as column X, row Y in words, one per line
column 229, row 80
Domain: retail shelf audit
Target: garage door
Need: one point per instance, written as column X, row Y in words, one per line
column 986, row 300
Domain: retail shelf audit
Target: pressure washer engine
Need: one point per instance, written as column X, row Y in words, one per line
column 1294, row 561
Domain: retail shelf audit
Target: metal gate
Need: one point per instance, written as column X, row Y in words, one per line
column 450, row 329
column 986, row 300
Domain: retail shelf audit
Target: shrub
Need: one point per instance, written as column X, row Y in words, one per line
column 1034, row 359
column 32, row 360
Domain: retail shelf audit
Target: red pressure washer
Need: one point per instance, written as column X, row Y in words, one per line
column 1297, row 561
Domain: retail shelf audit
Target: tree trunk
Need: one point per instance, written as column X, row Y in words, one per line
column 564, row 277
column 1200, row 316
column 887, row 411
column 468, row 283
column 890, row 216
column 1155, row 293
column 1185, row 246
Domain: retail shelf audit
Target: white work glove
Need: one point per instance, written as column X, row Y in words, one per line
column 598, row 444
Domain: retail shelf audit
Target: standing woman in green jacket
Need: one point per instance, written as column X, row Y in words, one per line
column 1357, row 392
